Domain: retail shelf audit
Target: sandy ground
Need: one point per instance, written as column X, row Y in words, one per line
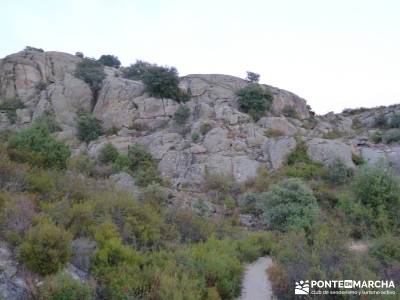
column 256, row 285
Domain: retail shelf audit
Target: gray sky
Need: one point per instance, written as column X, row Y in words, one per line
column 334, row 53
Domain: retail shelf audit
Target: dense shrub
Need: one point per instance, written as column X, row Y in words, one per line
column 254, row 100
column 110, row 61
column 195, row 137
column 304, row 170
column 376, row 187
column 108, row 154
column 251, row 204
column 47, row 122
column 89, row 127
column 137, row 70
column 377, row 136
column 395, row 121
column 82, row 164
column 289, row 205
column 299, row 154
column 387, row 250
column 252, row 77
column 392, row 135
column 205, row 128
column 63, row 287
column 337, row 172
column 290, row 112
column 92, row 72
column 46, row 248
column 36, row 146
column 182, row 115
column 10, row 106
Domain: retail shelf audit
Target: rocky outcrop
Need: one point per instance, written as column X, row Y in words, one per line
column 327, row 151
column 277, row 150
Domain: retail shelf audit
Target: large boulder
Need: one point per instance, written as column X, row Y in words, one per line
column 278, row 124
column 277, row 150
column 327, row 151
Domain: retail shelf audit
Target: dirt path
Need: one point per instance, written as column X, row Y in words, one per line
column 256, row 285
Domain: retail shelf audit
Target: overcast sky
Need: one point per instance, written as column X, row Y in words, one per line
column 334, row 53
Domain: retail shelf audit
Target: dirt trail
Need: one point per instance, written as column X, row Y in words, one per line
column 256, row 285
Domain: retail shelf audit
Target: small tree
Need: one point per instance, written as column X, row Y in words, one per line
column 46, row 248
column 110, row 61
column 253, row 77
column 92, row 72
column 161, row 82
column 89, row 127
column 136, row 71
column 254, row 100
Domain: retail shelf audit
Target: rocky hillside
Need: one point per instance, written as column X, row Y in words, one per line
column 206, row 153
column 234, row 144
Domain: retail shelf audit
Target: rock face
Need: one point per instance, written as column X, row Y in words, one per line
column 232, row 144
column 327, row 151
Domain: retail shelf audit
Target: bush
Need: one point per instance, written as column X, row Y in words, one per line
column 92, row 72
column 376, row 187
column 36, row 146
column 137, row 70
column 182, row 115
column 205, row 128
column 82, row 164
column 251, row 204
column 10, row 106
column 304, row 170
column 387, row 250
column 252, row 77
column 337, row 173
column 299, row 154
column 377, row 136
column 289, row 205
column 195, row 137
column 89, row 128
column 108, row 154
column 63, row 287
column 392, row 135
column 110, row 61
column 46, row 248
column 290, row 112
column 47, row 122
column 254, row 100
column 162, row 82
column 395, row 121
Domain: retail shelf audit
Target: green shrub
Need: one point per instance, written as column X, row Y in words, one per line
column 64, row 287
column 337, row 173
column 377, row 136
column 252, row 77
column 122, row 163
column 290, row 112
column 82, row 164
column 395, row 121
column 47, row 122
column 38, row 147
column 155, row 195
column 392, row 135
column 205, row 128
column 195, row 137
column 251, row 204
column 40, row 181
column 46, row 248
column 387, row 250
column 216, row 262
column 92, row 72
column 377, row 186
column 181, row 115
column 357, row 159
column 304, row 170
column 112, row 131
column 333, row 134
column 10, row 106
column 108, row 154
column 110, row 61
column 289, row 205
column 89, row 127
column 254, row 100
column 137, row 70
column 299, row 154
